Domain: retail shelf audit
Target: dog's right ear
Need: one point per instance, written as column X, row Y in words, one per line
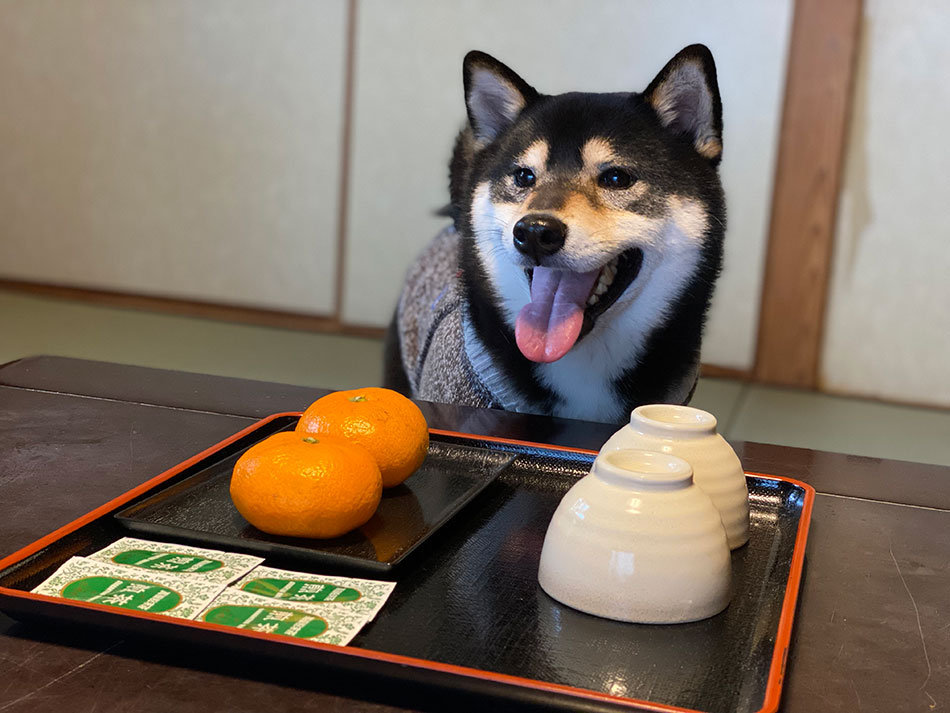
column 685, row 96
column 494, row 95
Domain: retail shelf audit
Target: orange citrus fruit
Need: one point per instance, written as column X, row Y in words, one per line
column 383, row 421
column 302, row 486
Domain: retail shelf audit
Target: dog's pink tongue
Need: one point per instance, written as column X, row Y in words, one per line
column 548, row 326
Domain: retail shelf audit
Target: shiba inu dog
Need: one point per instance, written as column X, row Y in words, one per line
column 587, row 238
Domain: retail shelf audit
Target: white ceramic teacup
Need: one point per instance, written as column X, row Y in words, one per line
column 691, row 434
column 636, row 540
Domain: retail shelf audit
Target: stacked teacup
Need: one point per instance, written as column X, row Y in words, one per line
column 646, row 536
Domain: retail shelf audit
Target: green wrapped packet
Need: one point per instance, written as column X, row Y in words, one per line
column 324, row 623
column 363, row 596
column 87, row 580
column 211, row 565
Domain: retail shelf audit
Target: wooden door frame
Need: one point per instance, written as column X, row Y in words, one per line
column 818, row 92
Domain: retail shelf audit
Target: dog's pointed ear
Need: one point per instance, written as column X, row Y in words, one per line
column 685, row 97
column 494, row 95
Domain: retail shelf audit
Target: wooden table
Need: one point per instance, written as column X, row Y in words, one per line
column 872, row 631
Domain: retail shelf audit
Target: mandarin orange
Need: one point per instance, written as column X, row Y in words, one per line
column 385, row 422
column 301, row 486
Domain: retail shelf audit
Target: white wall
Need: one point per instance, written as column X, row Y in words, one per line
column 191, row 149
column 177, row 148
column 887, row 332
column 409, row 107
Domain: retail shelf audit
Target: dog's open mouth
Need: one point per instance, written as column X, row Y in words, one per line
column 565, row 305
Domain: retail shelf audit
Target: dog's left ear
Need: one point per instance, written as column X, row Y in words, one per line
column 494, row 95
column 685, row 96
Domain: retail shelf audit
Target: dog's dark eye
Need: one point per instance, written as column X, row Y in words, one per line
column 524, row 177
column 616, row 178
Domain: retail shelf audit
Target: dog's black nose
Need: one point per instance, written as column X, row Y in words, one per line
column 539, row 235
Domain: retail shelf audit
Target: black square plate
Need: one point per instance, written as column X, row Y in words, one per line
column 199, row 509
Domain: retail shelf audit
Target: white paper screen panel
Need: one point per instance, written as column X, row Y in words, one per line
column 174, row 148
column 887, row 331
column 409, row 107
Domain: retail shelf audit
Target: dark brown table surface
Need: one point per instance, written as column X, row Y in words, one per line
column 872, row 632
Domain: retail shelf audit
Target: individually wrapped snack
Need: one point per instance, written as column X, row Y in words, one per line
column 211, row 565
column 89, row 580
column 362, row 596
column 324, row 623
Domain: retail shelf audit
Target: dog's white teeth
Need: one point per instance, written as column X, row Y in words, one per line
column 604, row 281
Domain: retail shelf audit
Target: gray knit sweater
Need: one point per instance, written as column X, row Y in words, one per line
column 430, row 319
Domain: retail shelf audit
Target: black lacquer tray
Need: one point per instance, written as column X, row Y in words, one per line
column 468, row 621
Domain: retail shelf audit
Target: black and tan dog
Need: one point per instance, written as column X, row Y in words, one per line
column 587, row 239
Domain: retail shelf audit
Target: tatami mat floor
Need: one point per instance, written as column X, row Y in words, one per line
column 32, row 325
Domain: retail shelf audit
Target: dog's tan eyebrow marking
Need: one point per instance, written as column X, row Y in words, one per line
column 535, row 156
column 584, row 209
column 596, row 153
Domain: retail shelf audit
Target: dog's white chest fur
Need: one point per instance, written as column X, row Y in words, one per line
column 584, row 383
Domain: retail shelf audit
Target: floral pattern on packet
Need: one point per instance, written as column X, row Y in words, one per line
column 87, row 580
column 324, row 623
column 364, row 596
column 213, row 565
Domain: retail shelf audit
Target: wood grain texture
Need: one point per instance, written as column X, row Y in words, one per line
column 821, row 66
column 724, row 372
